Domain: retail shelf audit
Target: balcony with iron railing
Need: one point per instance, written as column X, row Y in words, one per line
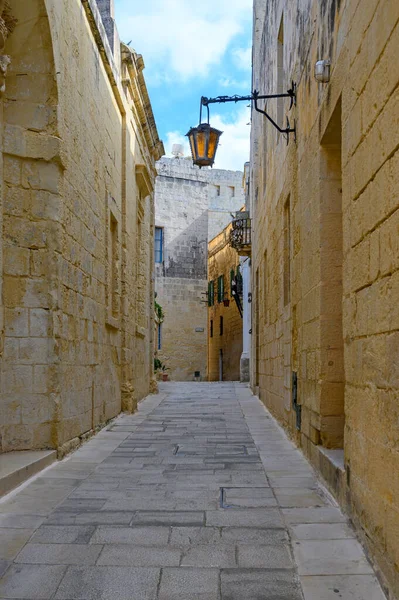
column 240, row 235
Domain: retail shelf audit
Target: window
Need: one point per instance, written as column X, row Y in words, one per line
column 211, row 329
column 211, row 293
column 158, row 244
column 159, row 337
column 221, row 326
column 220, row 288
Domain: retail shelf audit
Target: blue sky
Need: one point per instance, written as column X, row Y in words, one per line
column 192, row 49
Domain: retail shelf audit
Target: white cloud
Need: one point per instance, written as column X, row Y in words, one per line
column 226, row 82
column 189, row 37
column 233, row 149
column 242, row 58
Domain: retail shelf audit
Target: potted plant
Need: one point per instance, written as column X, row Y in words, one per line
column 226, row 301
column 160, row 369
column 164, row 373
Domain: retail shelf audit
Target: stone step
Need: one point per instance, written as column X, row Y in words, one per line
column 17, row 467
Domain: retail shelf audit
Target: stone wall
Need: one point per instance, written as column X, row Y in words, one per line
column 191, row 205
column 225, row 325
column 325, row 261
column 79, row 170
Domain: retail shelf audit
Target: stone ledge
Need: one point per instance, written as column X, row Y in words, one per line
column 17, row 467
column 332, row 468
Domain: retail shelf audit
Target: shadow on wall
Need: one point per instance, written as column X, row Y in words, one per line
column 186, row 256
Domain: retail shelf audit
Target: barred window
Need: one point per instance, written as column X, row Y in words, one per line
column 158, row 244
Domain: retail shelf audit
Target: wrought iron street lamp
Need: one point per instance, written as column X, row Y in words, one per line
column 204, row 139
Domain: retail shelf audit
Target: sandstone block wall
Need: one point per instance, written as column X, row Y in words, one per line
column 225, row 345
column 325, row 262
column 78, row 175
column 191, row 205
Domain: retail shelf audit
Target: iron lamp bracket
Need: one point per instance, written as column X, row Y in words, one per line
column 255, row 97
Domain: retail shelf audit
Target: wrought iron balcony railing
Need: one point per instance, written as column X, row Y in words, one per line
column 240, row 235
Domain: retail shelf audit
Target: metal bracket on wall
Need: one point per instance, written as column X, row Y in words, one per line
column 255, row 97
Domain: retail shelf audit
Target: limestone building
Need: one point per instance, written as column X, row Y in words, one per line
column 77, row 170
column 191, row 207
column 325, row 256
column 224, row 311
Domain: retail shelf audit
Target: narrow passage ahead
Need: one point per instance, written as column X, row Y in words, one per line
column 198, row 496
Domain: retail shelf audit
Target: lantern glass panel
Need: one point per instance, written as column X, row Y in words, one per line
column 192, row 144
column 213, row 142
column 201, row 143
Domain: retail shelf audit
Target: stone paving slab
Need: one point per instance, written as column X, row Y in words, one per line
column 59, row 554
column 197, row 496
column 107, row 583
column 139, row 556
column 189, row 584
column 342, row 587
column 31, row 581
column 260, row 584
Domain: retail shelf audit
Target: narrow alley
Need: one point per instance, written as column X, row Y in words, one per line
column 197, row 496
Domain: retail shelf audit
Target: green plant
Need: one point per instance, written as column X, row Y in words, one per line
column 159, row 312
column 157, row 364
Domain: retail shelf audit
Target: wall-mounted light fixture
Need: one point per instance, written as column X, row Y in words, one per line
column 204, row 139
column 322, row 71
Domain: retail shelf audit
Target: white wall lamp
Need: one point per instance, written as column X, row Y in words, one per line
column 322, row 71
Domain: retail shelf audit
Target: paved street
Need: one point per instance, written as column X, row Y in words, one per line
column 198, row 496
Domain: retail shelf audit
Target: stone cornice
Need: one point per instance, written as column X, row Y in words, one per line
column 141, row 99
column 137, row 83
column 100, row 36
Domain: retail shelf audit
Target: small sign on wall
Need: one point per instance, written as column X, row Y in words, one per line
column 199, row 330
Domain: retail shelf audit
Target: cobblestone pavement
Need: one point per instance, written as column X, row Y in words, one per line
column 198, row 496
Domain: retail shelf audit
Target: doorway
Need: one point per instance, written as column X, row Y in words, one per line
column 332, row 376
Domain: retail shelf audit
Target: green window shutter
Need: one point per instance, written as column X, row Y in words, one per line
column 231, row 280
column 211, row 293
column 220, row 288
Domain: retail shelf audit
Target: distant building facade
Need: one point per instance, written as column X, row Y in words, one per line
column 191, row 207
column 77, row 172
column 225, row 325
column 325, row 259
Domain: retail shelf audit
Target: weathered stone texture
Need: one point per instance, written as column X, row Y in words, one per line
column 77, row 288
column 325, row 266
column 224, row 347
column 192, row 206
